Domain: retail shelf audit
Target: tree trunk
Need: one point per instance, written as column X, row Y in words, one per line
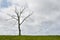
column 19, row 29
column 19, row 26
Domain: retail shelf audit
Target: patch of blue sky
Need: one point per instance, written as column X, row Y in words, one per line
column 5, row 4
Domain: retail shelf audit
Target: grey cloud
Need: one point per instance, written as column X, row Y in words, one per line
column 51, row 9
column 45, row 20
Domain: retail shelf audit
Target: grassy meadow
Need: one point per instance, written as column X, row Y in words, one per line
column 29, row 37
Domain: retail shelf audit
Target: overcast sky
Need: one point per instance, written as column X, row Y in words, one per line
column 44, row 21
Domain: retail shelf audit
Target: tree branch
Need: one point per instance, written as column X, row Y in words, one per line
column 17, row 13
column 12, row 16
column 22, row 10
column 25, row 18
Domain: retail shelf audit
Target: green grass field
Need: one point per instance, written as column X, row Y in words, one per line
column 29, row 37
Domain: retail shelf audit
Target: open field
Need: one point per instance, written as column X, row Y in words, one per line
column 29, row 37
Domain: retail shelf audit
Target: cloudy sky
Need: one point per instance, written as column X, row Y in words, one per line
column 44, row 21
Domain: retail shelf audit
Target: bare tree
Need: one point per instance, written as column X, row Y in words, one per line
column 18, row 16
